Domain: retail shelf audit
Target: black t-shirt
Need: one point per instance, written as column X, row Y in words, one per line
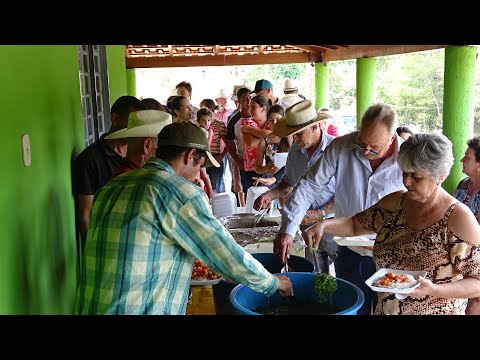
column 231, row 125
column 94, row 167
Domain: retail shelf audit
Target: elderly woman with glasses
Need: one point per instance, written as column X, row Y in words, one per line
column 423, row 228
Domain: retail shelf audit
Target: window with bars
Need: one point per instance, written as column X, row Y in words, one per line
column 94, row 91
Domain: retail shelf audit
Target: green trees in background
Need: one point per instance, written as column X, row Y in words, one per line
column 412, row 83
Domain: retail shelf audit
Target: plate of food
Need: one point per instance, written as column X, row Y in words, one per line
column 398, row 282
column 354, row 241
column 202, row 275
column 205, row 282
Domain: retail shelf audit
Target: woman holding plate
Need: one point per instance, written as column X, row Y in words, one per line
column 422, row 229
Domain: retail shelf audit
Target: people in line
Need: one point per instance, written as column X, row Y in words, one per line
column 303, row 123
column 147, row 228
column 421, row 229
column 467, row 192
column 204, row 120
column 266, row 150
column 95, row 165
column 234, row 98
column 222, row 111
column 331, row 128
column 234, row 143
column 181, row 109
column 142, row 135
column 291, row 93
column 168, row 103
column 253, row 129
column 265, row 88
column 184, row 88
column 404, row 132
column 365, row 169
column 218, row 148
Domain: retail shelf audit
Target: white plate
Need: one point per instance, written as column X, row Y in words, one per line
column 205, row 282
column 353, row 241
column 398, row 292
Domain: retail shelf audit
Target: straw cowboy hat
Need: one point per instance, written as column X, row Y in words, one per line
column 297, row 118
column 222, row 94
column 143, row 123
column 290, row 85
column 234, row 93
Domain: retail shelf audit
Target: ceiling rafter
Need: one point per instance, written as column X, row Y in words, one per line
column 139, row 56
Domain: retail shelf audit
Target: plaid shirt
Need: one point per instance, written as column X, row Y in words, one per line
column 146, row 228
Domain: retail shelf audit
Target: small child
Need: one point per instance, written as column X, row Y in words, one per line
column 204, row 119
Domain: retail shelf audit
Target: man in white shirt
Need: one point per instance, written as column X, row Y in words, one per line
column 364, row 164
column 291, row 92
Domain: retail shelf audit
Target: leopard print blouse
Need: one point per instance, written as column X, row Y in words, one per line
column 437, row 250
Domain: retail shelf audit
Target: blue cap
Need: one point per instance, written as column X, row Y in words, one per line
column 261, row 85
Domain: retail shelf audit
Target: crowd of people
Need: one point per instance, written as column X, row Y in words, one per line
column 142, row 194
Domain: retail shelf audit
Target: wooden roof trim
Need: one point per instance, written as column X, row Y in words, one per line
column 144, row 56
column 220, row 60
column 320, row 48
column 362, row 51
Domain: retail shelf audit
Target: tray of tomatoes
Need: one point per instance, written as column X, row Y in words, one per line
column 202, row 275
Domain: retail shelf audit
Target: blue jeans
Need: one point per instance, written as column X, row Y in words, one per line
column 216, row 175
column 355, row 268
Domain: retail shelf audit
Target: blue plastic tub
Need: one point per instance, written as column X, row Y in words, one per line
column 348, row 297
column 271, row 262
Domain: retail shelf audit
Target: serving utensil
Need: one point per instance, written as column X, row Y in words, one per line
column 261, row 216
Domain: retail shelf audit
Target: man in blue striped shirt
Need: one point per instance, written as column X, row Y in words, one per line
column 147, row 227
column 309, row 142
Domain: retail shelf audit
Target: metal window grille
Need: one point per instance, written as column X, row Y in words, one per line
column 94, row 91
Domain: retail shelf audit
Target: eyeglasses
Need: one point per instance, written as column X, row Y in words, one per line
column 369, row 151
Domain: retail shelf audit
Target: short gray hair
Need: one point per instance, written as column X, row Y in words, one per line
column 431, row 153
column 380, row 113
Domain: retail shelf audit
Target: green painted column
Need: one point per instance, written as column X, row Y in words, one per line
column 458, row 105
column 131, row 82
column 366, row 71
column 321, row 85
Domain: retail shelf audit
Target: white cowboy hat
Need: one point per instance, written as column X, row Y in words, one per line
column 222, row 93
column 290, row 85
column 143, row 123
column 298, row 117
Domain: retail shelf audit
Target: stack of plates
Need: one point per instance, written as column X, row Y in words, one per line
column 224, row 204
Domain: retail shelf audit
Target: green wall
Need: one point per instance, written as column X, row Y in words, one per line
column 40, row 96
column 131, row 82
column 117, row 72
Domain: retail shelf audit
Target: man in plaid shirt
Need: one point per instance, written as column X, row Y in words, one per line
column 147, row 227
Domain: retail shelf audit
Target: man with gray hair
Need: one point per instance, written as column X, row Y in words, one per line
column 364, row 164
column 142, row 137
